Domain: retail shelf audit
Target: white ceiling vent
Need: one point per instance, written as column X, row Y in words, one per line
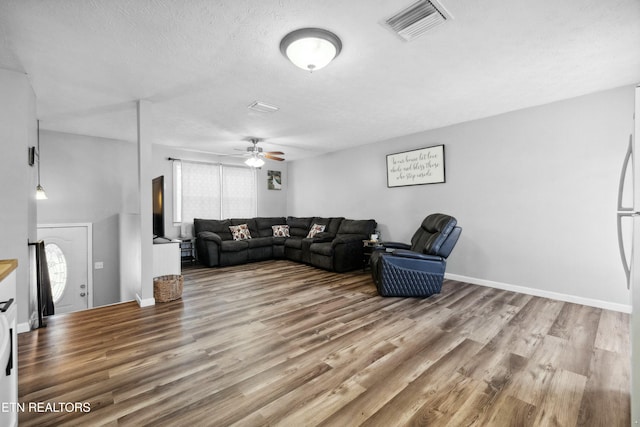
column 417, row 19
column 262, row 107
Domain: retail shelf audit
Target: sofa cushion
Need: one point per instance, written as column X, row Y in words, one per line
column 279, row 241
column 364, row 227
column 315, row 229
column 323, row 236
column 293, row 243
column 280, row 230
column 217, row 226
column 432, row 233
column 240, row 232
column 299, row 227
column 324, row 248
column 264, row 224
column 234, row 245
column 332, row 224
column 260, row 242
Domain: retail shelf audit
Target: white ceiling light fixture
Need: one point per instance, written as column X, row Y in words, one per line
column 254, row 161
column 310, row 48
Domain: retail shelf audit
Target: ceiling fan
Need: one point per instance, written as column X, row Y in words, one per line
column 256, row 154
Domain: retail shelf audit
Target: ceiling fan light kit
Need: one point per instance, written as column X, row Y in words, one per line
column 256, row 154
column 254, row 162
column 310, row 48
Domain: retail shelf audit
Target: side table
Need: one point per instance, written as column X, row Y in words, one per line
column 187, row 251
column 369, row 246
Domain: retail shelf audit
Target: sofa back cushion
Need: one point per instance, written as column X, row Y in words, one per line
column 299, row 227
column 218, row 226
column 264, row 225
column 433, row 232
column 331, row 224
column 363, row 227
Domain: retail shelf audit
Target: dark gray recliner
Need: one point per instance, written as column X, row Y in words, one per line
column 416, row 270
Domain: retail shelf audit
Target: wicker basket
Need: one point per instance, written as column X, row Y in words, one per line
column 167, row 288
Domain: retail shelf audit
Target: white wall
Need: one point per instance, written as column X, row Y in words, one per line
column 272, row 202
column 93, row 180
column 534, row 190
column 90, row 179
column 17, row 180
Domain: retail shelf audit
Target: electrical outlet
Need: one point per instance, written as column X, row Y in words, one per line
column 98, row 265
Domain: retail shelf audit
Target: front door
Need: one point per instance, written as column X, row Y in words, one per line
column 67, row 251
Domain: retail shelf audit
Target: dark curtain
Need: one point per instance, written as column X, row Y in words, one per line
column 45, row 296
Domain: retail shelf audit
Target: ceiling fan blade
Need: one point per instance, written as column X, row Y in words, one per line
column 277, row 153
column 269, row 156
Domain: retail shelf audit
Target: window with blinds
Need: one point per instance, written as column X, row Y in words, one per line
column 213, row 191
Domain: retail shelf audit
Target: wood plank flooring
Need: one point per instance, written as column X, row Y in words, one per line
column 280, row 343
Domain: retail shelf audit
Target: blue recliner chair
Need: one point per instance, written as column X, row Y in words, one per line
column 416, row 270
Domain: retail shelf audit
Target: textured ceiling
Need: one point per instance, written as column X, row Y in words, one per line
column 202, row 62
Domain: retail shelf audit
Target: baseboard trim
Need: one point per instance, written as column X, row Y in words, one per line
column 147, row 302
column 23, row 327
column 623, row 308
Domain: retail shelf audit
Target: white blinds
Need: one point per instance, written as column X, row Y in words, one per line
column 213, row 191
column 238, row 192
column 200, row 191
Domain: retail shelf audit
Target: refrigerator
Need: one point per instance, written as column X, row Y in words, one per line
column 628, row 224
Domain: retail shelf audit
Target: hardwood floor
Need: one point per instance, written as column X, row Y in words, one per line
column 280, row 343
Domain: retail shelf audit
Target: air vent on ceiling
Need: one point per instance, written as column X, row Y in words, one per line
column 417, row 19
column 263, row 107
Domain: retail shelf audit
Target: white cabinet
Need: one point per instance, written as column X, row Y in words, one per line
column 166, row 259
column 8, row 344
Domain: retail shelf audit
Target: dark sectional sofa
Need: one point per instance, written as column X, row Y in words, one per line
column 338, row 248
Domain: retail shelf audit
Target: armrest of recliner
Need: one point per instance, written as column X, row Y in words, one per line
column 209, row 235
column 396, row 245
column 404, row 253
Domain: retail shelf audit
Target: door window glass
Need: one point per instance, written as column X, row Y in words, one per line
column 57, row 265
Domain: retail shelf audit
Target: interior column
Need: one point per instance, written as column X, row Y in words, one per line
column 145, row 136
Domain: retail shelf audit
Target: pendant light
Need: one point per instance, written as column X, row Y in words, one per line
column 40, row 193
column 310, row 48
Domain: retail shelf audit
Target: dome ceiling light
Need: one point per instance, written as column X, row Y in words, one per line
column 310, row 48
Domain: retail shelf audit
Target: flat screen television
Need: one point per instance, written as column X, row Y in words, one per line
column 158, row 206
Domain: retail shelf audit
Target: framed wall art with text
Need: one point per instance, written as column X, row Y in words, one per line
column 416, row 167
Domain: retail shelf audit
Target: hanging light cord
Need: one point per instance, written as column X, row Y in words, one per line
column 38, row 153
column 40, row 193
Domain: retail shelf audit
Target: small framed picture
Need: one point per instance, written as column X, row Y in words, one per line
column 274, row 180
